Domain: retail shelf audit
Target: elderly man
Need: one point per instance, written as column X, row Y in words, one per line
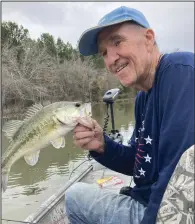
column 164, row 116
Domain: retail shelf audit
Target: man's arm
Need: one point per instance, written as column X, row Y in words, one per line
column 117, row 157
column 176, row 116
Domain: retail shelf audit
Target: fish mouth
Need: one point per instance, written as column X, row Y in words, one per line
column 60, row 122
column 86, row 110
column 69, row 125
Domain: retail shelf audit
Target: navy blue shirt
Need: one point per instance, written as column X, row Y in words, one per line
column 164, row 129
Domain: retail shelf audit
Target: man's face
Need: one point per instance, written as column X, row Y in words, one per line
column 126, row 50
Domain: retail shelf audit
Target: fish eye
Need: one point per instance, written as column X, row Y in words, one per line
column 77, row 105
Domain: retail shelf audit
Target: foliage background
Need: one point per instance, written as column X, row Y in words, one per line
column 49, row 70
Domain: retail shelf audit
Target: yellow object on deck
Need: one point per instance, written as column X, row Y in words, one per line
column 103, row 180
column 109, row 181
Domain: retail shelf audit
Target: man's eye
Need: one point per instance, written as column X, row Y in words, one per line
column 104, row 53
column 117, row 42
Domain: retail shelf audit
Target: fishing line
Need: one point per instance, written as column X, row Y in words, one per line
column 88, row 159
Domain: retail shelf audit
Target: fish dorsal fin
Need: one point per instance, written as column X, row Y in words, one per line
column 11, row 127
column 32, row 158
column 32, row 111
column 58, row 143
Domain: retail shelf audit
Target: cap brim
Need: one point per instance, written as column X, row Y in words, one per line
column 88, row 41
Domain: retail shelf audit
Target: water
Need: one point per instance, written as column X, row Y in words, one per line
column 29, row 187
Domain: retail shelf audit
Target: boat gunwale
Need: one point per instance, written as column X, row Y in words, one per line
column 47, row 205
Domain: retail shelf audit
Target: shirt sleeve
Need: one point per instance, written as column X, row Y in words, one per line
column 176, row 124
column 117, row 157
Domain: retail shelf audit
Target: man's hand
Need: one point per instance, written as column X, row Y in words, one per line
column 91, row 139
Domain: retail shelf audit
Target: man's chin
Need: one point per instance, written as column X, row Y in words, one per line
column 127, row 85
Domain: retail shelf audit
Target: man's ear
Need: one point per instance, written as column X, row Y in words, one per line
column 150, row 37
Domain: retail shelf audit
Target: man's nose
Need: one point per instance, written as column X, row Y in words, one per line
column 111, row 58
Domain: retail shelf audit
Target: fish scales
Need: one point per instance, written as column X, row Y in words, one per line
column 41, row 126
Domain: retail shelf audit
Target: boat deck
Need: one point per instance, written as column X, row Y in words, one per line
column 100, row 172
column 53, row 210
column 56, row 212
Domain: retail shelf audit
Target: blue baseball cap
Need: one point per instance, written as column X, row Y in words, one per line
column 88, row 40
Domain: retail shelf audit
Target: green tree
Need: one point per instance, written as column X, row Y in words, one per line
column 47, row 41
column 68, row 51
column 60, row 49
column 12, row 34
column 97, row 61
column 64, row 51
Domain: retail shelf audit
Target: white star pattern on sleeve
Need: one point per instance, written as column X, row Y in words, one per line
column 142, row 172
column 148, row 158
column 142, row 129
column 148, row 140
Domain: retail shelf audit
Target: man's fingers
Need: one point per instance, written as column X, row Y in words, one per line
column 80, row 128
column 84, row 134
column 95, row 123
column 86, row 122
column 85, row 137
column 82, row 142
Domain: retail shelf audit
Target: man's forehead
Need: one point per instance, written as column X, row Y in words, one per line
column 108, row 34
column 108, row 31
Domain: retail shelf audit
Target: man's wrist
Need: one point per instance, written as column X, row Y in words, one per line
column 101, row 147
column 100, row 150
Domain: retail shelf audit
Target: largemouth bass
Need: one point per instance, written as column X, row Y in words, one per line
column 42, row 126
